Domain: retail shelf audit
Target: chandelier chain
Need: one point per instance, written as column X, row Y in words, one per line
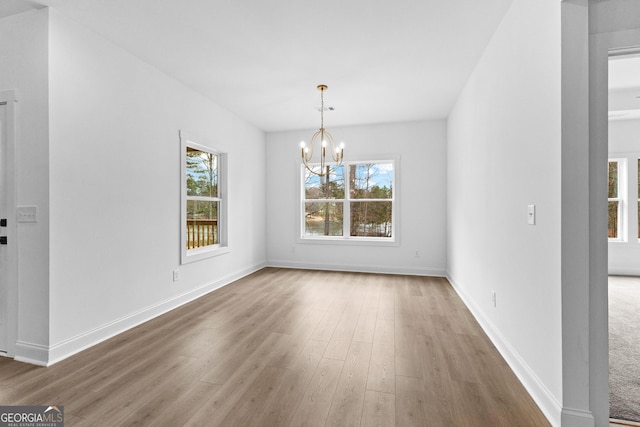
column 321, row 108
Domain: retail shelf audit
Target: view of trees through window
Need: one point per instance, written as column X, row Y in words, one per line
column 614, row 202
column 365, row 199
column 324, row 205
column 370, row 188
column 202, row 198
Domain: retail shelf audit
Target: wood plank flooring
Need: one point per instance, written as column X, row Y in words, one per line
column 291, row 348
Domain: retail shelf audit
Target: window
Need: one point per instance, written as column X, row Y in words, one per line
column 615, row 189
column 203, row 201
column 371, row 194
column 352, row 202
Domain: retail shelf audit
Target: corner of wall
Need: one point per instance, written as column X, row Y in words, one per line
column 24, row 49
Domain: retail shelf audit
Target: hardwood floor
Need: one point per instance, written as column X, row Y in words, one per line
column 291, row 348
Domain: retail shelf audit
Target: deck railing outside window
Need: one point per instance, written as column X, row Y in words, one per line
column 201, row 232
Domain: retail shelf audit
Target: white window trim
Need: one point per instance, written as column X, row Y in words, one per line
column 634, row 194
column 191, row 255
column 621, row 199
column 346, row 239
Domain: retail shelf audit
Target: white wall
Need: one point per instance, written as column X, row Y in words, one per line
column 115, row 189
column 503, row 153
column 624, row 136
column 23, row 49
column 624, row 143
column 421, row 191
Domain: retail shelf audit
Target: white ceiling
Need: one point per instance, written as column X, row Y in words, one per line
column 12, row 7
column 383, row 60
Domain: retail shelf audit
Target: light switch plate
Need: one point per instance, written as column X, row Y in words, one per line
column 27, row 214
column 531, row 214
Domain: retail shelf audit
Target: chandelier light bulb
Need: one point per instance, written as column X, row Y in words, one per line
column 324, row 143
column 302, row 144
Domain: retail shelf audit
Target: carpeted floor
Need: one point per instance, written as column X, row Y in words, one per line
column 624, row 348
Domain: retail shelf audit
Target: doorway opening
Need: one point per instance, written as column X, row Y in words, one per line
column 624, row 237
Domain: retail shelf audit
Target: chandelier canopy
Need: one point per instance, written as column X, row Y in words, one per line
column 323, row 138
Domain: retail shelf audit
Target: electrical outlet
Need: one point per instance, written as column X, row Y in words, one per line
column 493, row 296
column 176, row 275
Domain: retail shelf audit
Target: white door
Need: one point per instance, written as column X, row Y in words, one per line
column 4, row 318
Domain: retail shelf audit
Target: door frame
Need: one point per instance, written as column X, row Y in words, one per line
column 10, row 97
column 603, row 45
column 620, row 45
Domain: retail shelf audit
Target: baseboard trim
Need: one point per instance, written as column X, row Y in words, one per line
column 546, row 401
column 624, row 272
column 379, row 269
column 78, row 343
column 35, row 354
column 577, row 418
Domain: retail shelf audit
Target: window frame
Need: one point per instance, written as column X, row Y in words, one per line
column 621, row 199
column 222, row 247
column 346, row 238
column 636, row 179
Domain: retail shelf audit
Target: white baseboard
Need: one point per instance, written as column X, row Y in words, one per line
column 380, row 269
column 546, row 401
column 34, row 354
column 64, row 349
column 577, row 418
column 613, row 271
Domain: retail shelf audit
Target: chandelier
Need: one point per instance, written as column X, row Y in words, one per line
column 325, row 140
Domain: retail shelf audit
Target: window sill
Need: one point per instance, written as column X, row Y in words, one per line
column 352, row 241
column 203, row 253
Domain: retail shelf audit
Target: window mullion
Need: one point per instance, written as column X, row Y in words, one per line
column 346, row 208
column 203, row 199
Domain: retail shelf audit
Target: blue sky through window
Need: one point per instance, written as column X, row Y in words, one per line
column 381, row 175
